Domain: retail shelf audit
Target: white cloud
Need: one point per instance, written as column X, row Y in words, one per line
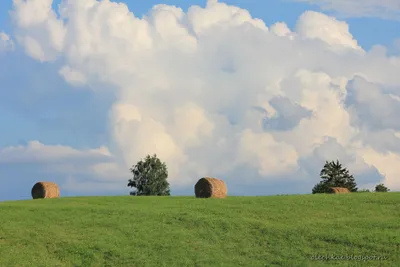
column 72, row 76
column 6, row 44
column 215, row 92
column 387, row 9
column 34, row 21
column 256, row 149
column 314, row 25
column 35, row 151
column 281, row 29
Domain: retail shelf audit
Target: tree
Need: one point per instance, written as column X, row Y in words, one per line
column 149, row 177
column 381, row 188
column 334, row 175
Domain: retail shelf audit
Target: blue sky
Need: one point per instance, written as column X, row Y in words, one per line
column 39, row 104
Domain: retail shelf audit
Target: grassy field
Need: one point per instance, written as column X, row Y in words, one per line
column 185, row 231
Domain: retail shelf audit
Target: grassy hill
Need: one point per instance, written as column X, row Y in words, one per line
column 185, row 231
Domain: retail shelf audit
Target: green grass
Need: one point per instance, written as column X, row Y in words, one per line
column 185, row 231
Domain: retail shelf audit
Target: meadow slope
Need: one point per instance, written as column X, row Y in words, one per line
column 185, row 231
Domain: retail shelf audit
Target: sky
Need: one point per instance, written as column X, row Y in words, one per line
column 257, row 93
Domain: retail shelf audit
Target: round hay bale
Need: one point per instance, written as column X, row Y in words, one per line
column 338, row 190
column 45, row 190
column 208, row 187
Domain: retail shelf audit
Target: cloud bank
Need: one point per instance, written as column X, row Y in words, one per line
column 214, row 91
column 388, row 9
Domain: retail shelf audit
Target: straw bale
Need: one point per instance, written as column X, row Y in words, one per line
column 208, row 187
column 45, row 190
column 338, row 190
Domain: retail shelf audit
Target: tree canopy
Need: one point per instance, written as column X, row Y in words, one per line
column 333, row 174
column 149, row 177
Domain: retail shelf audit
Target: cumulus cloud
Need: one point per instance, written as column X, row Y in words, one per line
column 288, row 114
column 6, row 44
column 36, row 20
column 388, row 9
column 314, row 25
column 371, row 107
column 214, row 91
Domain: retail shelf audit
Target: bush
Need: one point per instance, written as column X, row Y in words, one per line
column 381, row 188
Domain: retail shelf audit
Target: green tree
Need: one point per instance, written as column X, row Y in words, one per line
column 334, row 175
column 149, row 177
column 381, row 188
